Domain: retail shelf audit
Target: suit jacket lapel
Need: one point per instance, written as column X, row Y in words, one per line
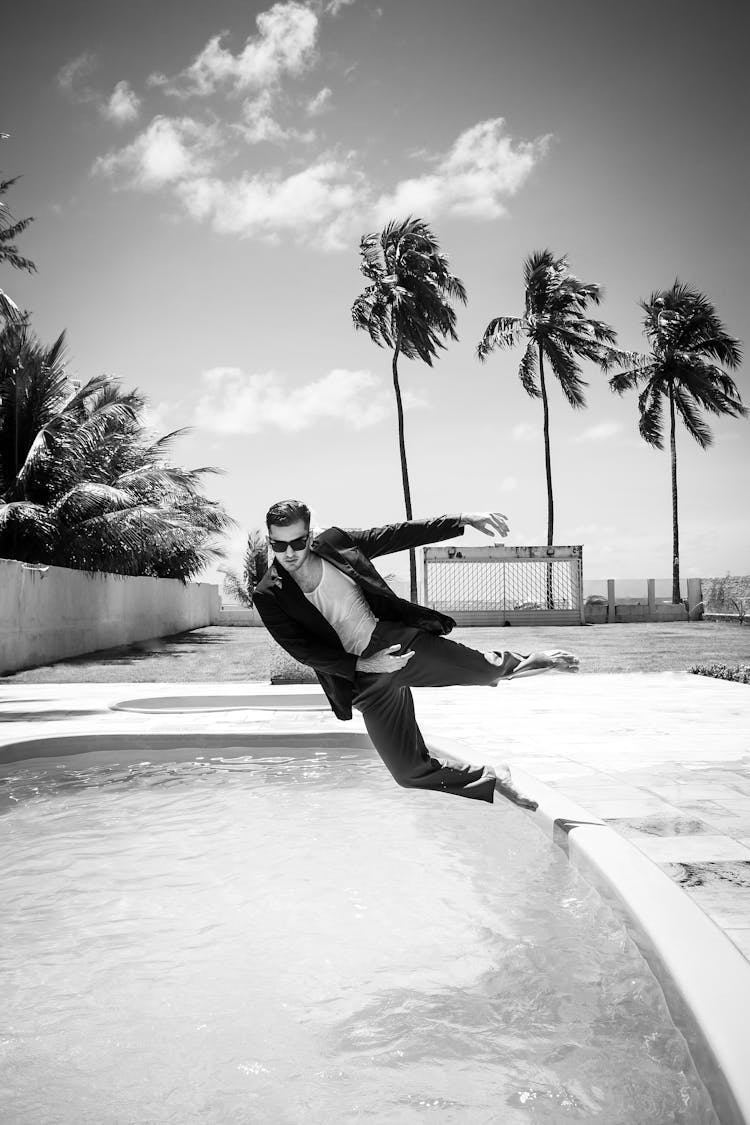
column 294, row 602
column 336, row 558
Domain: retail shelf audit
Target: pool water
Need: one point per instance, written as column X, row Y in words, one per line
column 280, row 940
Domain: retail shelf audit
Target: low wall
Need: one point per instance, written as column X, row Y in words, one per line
column 238, row 616
column 599, row 614
column 50, row 613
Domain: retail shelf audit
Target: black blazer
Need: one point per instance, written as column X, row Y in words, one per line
column 301, row 629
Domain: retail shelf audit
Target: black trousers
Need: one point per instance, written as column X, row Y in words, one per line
column 387, row 706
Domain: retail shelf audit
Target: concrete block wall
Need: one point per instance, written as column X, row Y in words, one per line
column 239, row 616
column 50, row 613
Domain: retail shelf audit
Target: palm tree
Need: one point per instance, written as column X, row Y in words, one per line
column 9, row 230
column 689, row 345
column 555, row 327
column 407, row 309
column 81, row 484
column 254, row 566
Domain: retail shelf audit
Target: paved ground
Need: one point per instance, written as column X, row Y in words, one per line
column 664, row 758
column 238, row 654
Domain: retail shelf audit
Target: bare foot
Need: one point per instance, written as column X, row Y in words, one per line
column 555, row 661
column 505, row 787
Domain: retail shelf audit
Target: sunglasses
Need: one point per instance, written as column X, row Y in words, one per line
column 279, row 546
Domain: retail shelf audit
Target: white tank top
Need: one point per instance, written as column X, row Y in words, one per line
column 345, row 607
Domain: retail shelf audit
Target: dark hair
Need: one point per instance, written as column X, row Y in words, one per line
column 285, row 512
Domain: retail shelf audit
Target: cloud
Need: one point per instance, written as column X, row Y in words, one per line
column 285, row 44
column 258, row 123
column 333, row 7
column 123, row 106
column 158, row 418
column 169, row 150
column 524, row 432
column 73, row 78
column 320, row 103
column 508, row 484
column 600, row 432
column 238, row 403
column 483, row 166
column 315, row 205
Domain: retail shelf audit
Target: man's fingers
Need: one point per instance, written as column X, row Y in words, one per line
column 492, row 523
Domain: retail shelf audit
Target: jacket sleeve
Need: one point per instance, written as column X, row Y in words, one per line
column 286, row 632
column 401, row 536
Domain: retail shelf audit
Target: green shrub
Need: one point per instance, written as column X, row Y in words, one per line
column 740, row 673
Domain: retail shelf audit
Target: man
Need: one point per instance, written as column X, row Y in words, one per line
column 325, row 603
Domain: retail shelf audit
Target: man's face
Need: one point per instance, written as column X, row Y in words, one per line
column 289, row 558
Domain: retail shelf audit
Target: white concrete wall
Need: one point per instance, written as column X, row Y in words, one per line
column 49, row 613
column 238, row 615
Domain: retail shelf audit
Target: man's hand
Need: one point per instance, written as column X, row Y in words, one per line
column 384, row 661
column 489, row 523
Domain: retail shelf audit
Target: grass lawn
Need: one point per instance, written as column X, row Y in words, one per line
column 224, row 654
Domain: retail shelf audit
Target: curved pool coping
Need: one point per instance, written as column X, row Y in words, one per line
column 705, row 980
column 251, row 701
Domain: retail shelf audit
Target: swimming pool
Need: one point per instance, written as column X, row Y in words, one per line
column 285, row 936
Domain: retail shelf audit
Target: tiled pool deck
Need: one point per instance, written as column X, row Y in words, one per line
column 663, row 758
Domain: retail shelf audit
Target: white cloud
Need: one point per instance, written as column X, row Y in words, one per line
column 74, row 76
column 238, row 403
column 483, row 167
column 508, row 484
column 123, row 106
column 333, row 7
column 284, row 44
column 600, row 432
column 169, row 150
column 320, row 103
column 158, row 418
column 524, row 432
column 258, row 123
column 314, row 204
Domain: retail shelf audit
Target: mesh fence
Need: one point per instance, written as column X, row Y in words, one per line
column 502, row 581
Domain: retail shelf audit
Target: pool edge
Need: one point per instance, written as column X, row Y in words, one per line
column 655, row 910
column 705, row 981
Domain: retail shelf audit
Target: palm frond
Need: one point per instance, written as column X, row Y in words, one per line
column 501, row 332
column 235, row 588
column 650, row 402
column 89, row 499
column 632, row 378
column 694, row 424
column 528, row 371
column 407, row 307
column 567, row 371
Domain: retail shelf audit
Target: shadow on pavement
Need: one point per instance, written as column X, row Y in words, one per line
column 139, row 650
column 43, row 716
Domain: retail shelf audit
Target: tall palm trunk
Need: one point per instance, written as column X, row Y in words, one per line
column 548, row 469
column 547, row 460
column 676, row 599
column 404, row 472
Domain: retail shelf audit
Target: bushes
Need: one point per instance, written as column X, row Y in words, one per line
column 739, row 673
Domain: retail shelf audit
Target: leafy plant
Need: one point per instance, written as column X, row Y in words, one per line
column 407, row 309
column 10, row 229
column 739, row 673
column 682, row 372
column 555, row 328
column 254, row 566
column 82, row 484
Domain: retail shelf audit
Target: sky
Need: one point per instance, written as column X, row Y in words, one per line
column 200, row 175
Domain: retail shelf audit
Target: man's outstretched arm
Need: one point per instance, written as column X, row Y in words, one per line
column 420, row 533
